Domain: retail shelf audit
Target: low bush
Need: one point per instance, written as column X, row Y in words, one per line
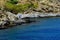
column 16, row 8
column 10, row 6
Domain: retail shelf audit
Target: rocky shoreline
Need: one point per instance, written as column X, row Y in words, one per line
column 9, row 19
column 17, row 12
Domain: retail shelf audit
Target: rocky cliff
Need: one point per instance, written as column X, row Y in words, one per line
column 49, row 6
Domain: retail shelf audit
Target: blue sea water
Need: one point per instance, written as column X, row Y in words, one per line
column 43, row 29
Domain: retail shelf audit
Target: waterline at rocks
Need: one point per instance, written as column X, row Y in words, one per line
column 9, row 19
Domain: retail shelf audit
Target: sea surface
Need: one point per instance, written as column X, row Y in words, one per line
column 42, row 29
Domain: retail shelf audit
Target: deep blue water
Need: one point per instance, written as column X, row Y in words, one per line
column 43, row 29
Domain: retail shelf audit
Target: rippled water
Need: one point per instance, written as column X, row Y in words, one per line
column 43, row 29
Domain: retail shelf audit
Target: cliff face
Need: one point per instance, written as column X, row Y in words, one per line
column 49, row 6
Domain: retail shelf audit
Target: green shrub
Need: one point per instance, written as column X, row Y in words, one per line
column 20, row 7
column 9, row 6
column 23, row 7
column 35, row 5
column 12, row 7
column 13, row 1
column 17, row 8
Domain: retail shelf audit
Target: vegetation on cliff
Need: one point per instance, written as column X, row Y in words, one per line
column 16, row 6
